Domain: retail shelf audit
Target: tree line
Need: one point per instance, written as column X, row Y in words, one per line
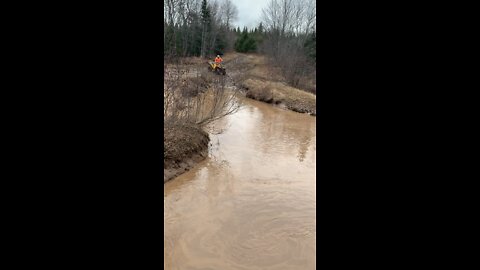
column 290, row 37
column 286, row 33
column 198, row 27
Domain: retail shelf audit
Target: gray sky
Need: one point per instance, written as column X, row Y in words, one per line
column 249, row 12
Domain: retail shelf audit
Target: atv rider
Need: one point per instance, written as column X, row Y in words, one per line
column 218, row 61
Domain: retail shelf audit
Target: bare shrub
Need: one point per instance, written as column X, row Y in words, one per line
column 196, row 101
column 261, row 92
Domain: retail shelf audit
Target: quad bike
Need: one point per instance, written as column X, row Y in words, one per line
column 216, row 68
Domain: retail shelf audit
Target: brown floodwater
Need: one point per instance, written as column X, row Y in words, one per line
column 252, row 203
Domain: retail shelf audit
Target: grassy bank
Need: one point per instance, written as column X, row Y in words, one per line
column 263, row 82
column 281, row 94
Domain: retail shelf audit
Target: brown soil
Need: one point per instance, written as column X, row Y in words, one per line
column 184, row 146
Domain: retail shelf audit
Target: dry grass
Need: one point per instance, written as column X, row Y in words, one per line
column 263, row 82
column 282, row 94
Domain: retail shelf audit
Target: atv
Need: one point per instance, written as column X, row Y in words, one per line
column 216, row 68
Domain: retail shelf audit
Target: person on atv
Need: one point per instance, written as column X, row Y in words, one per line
column 218, row 61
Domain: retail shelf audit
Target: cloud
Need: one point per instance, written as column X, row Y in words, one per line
column 249, row 12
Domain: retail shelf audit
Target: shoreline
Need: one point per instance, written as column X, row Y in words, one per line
column 184, row 147
column 184, row 166
column 280, row 95
column 259, row 81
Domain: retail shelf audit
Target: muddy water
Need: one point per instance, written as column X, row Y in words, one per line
column 251, row 203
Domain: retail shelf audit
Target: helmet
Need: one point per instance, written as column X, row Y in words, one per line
column 218, row 55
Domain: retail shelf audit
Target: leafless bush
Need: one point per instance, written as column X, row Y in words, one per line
column 261, row 92
column 195, row 100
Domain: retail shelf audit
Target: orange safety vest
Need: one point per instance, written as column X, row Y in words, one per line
column 218, row 60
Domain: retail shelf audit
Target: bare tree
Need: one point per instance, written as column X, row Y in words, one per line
column 310, row 16
column 196, row 27
column 288, row 24
column 171, row 14
column 230, row 12
column 214, row 7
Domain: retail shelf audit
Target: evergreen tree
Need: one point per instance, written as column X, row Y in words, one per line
column 206, row 26
column 206, row 18
column 260, row 28
column 246, row 42
column 311, row 46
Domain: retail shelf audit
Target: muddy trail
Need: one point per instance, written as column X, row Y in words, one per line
column 251, row 204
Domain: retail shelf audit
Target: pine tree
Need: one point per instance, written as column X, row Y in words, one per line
column 311, row 46
column 260, row 28
column 206, row 26
column 246, row 42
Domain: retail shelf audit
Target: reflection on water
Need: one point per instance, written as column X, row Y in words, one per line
column 251, row 203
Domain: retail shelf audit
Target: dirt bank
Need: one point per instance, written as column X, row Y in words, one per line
column 184, row 146
column 262, row 82
column 281, row 94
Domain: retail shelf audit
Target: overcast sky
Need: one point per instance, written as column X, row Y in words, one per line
column 249, row 12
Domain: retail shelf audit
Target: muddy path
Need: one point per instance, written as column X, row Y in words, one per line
column 251, row 204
